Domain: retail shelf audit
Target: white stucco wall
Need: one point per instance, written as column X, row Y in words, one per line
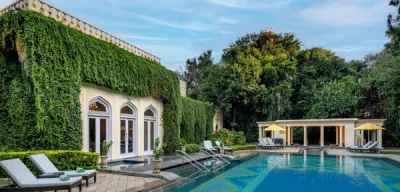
column 218, row 119
column 116, row 100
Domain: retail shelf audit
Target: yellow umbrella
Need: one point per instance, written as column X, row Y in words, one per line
column 274, row 127
column 368, row 127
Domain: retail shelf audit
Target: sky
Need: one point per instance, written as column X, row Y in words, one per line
column 175, row 30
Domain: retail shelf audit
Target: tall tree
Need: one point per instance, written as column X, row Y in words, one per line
column 393, row 31
column 254, row 79
column 194, row 72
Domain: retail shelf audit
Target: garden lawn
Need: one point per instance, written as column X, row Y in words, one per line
column 390, row 152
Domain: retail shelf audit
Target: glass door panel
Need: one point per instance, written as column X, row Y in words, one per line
column 92, row 135
column 103, row 132
column 123, row 139
column 152, row 135
column 130, row 136
column 146, row 136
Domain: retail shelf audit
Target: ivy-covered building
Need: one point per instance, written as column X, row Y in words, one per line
column 65, row 84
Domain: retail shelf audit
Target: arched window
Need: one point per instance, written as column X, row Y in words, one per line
column 149, row 114
column 150, row 129
column 128, row 110
column 98, row 125
column 97, row 106
column 128, row 130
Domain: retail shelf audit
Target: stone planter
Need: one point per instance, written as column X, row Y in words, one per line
column 156, row 166
column 184, row 149
column 104, row 161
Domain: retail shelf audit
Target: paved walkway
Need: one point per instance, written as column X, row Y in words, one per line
column 348, row 153
column 114, row 183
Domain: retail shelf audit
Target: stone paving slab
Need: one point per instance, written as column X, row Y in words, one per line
column 112, row 182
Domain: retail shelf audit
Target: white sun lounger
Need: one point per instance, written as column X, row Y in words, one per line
column 208, row 146
column 370, row 148
column 26, row 181
column 50, row 171
column 225, row 148
column 263, row 144
column 358, row 147
column 270, row 142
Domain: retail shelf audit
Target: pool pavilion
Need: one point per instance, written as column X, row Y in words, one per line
column 343, row 130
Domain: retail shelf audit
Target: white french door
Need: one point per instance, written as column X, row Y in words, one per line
column 98, row 131
column 127, row 137
column 150, row 134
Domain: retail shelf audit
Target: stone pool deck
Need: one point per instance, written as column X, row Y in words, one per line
column 344, row 152
column 107, row 182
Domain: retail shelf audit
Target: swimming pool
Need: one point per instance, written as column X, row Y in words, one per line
column 289, row 172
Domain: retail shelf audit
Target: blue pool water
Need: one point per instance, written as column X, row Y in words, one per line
column 311, row 173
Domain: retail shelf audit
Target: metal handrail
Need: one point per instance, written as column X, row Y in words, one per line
column 185, row 156
column 209, row 152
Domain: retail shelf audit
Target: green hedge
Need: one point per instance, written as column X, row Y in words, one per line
column 228, row 137
column 63, row 160
column 243, row 147
column 192, row 148
column 197, row 120
column 42, row 65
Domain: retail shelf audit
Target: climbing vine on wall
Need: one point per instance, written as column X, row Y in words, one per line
column 39, row 100
column 197, row 120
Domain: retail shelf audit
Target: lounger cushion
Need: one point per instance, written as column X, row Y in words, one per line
column 76, row 174
column 51, row 182
column 43, row 163
column 18, row 172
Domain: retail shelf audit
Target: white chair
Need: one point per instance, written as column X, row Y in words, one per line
column 208, row 146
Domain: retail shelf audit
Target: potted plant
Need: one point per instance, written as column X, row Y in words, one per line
column 183, row 144
column 104, row 153
column 157, row 151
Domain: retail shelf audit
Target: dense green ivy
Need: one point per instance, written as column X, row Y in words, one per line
column 42, row 73
column 197, row 120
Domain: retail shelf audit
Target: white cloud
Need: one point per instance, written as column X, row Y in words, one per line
column 195, row 26
column 347, row 13
column 227, row 20
column 348, row 49
column 4, row 3
column 249, row 4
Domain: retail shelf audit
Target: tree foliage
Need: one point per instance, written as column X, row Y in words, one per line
column 194, row 72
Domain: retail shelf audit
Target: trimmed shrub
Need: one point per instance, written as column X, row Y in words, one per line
column 192, row 148
column 243, row 147
column 63, row 160
column 227, row 137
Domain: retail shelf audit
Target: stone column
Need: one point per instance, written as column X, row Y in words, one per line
column 288, row 132
column 291, row 135
column 305, row 135
column 362, row 137
column 380, row 139
column 322, row 136
column 340, row 136
column 260, row 132
column 337, row 135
